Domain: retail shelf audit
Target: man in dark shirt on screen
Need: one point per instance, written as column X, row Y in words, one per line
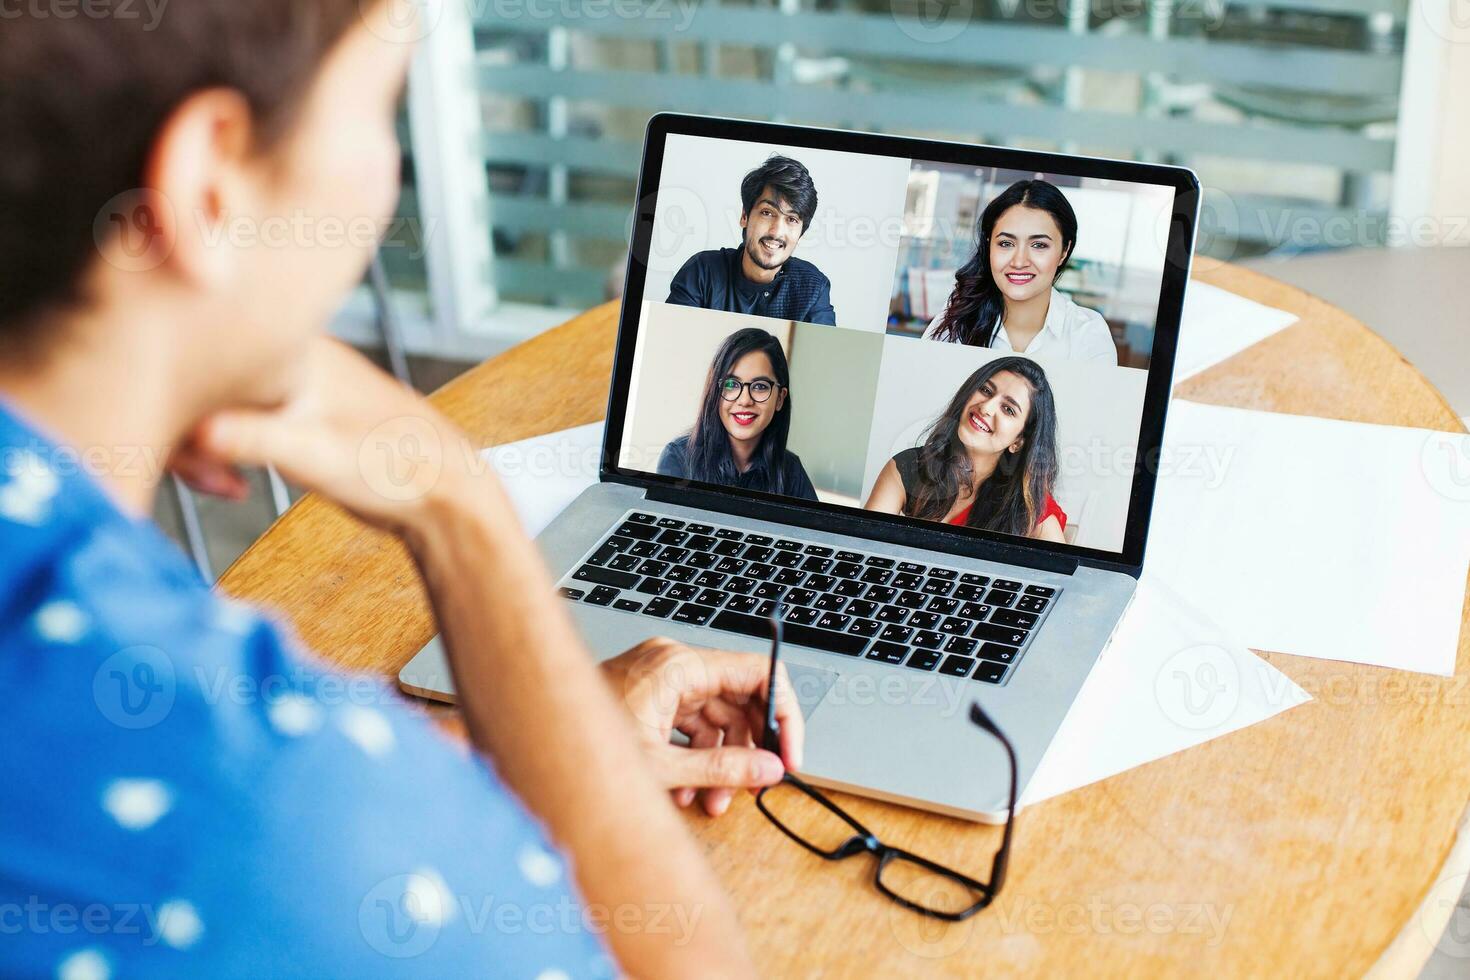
column 761, row 276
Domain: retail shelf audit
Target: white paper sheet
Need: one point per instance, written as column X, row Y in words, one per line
column 1170, row 679
column 1315, row 537
column 1218, row 324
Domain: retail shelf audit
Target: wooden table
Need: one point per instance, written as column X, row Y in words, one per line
column 1303, row 845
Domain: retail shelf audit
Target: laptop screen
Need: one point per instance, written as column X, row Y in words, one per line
column 959, row 343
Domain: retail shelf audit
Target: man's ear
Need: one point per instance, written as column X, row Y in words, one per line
column 200, row 172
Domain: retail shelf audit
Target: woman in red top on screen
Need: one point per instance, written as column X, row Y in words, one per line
column 989, row 461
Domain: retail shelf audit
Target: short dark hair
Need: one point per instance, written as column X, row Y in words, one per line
column 82, row 100
column 789, row 179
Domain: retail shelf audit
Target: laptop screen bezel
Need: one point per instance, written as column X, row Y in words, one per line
column 951, row 538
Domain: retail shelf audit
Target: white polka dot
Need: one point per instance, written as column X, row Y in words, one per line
column 538, row 866
column 368, row 728
column 136, row 804
column 234, row 618
column 179, row 924
column 553, row 975
column 426, row 897
column 26, row 499
column 295, row 715
column 61, row 621
column 84, row 964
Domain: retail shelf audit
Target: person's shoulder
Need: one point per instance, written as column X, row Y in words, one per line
column 674, row 460
column 1077, row 317
column 799, row 268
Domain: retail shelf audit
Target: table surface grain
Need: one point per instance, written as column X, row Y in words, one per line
column 1301, row 845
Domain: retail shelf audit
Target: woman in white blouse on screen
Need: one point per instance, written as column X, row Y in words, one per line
column 1005, row 298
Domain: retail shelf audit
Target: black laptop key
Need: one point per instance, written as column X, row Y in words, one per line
column 912, row 600
column 956, row 666
column 683, row 592
column 785, row 544
column 605, row 576
column 786, row 559
column 770, row 590
column 709, row 580
column 729, row 534
column 988, row 672
column 924, row 620
column 1009, row 617
column 730, row 566
column 864, row 627
column 807, row 636
column 570, row 592
column 969, row 593
column 833, row 621
column 938, row 586
column 699, row 528
column 849, row 587
column 764, row 611
column 640, row 531
column 681, row 573
column 877, row 576
column 974, row 610
column 972, row 578
column 955, row 626
column 999, row 634
column 641, row 518
column 893, row 614
column 653, row 586
column 756, row 552
column 1046, row 592
column 1031, row 604
column 889, row 653
column 943, row 606
column 660, row 607
column 911, row 568
column 1010, row 585
column 702, row 559
column 846, row 569
column 997, row 652
column 802, row 615
column 880, row 593
column 740, row 584
column 878, row 561
column 760, row 539
column 712, row 597
column 816, row 564
column 672, row 522
column 789, row 576
column 627, row 605
column 652, row 567
column 645, row 549
column 819, row 550
column 922, row 660
column 800, row 597
column 694, row 614
column 945, row 573
column 760, row 570
column 743, row 603
column 822, row 583
column 602, row 596
column 962, row 645
column 862, row 607
column 602, row 555
column 830, row 602
column 670, row 553
column 906, row 580
column 671, row 536
column 895, row 633
column 623, row 563
column 728, row 548
column 848, row 556
column 928, row 639
column 1001, row 598
column 697, row 542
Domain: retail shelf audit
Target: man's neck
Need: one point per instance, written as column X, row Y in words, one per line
column 752, row 271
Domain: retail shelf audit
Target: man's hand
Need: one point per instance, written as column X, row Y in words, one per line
column 718, row 700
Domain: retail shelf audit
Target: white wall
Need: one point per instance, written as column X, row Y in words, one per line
column 853, row 238
column 1099, row 410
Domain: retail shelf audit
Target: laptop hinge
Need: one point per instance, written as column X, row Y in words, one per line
column 855, row 524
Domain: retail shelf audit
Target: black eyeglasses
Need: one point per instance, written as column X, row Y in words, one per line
column 760, row 389
column 803, row 813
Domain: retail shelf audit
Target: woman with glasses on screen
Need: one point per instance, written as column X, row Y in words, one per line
column 989, row 461
column 1006, row 298
column 739, row 437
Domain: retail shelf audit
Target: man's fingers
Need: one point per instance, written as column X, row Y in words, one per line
column 742, row 677
column 254, row 439
column 726, row 766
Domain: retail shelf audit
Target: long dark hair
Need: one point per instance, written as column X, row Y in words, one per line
column 710, row 458
column 972, row 315
column 1014, row 497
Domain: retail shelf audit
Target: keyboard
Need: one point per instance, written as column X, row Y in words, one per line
column 851, row 603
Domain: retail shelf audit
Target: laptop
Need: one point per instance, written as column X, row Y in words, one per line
column 914, row 390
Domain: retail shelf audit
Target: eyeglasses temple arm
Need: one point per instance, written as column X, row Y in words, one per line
column 1002, row 857
column 771, row 741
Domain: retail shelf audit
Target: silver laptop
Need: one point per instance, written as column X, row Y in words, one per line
column 913, row 390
